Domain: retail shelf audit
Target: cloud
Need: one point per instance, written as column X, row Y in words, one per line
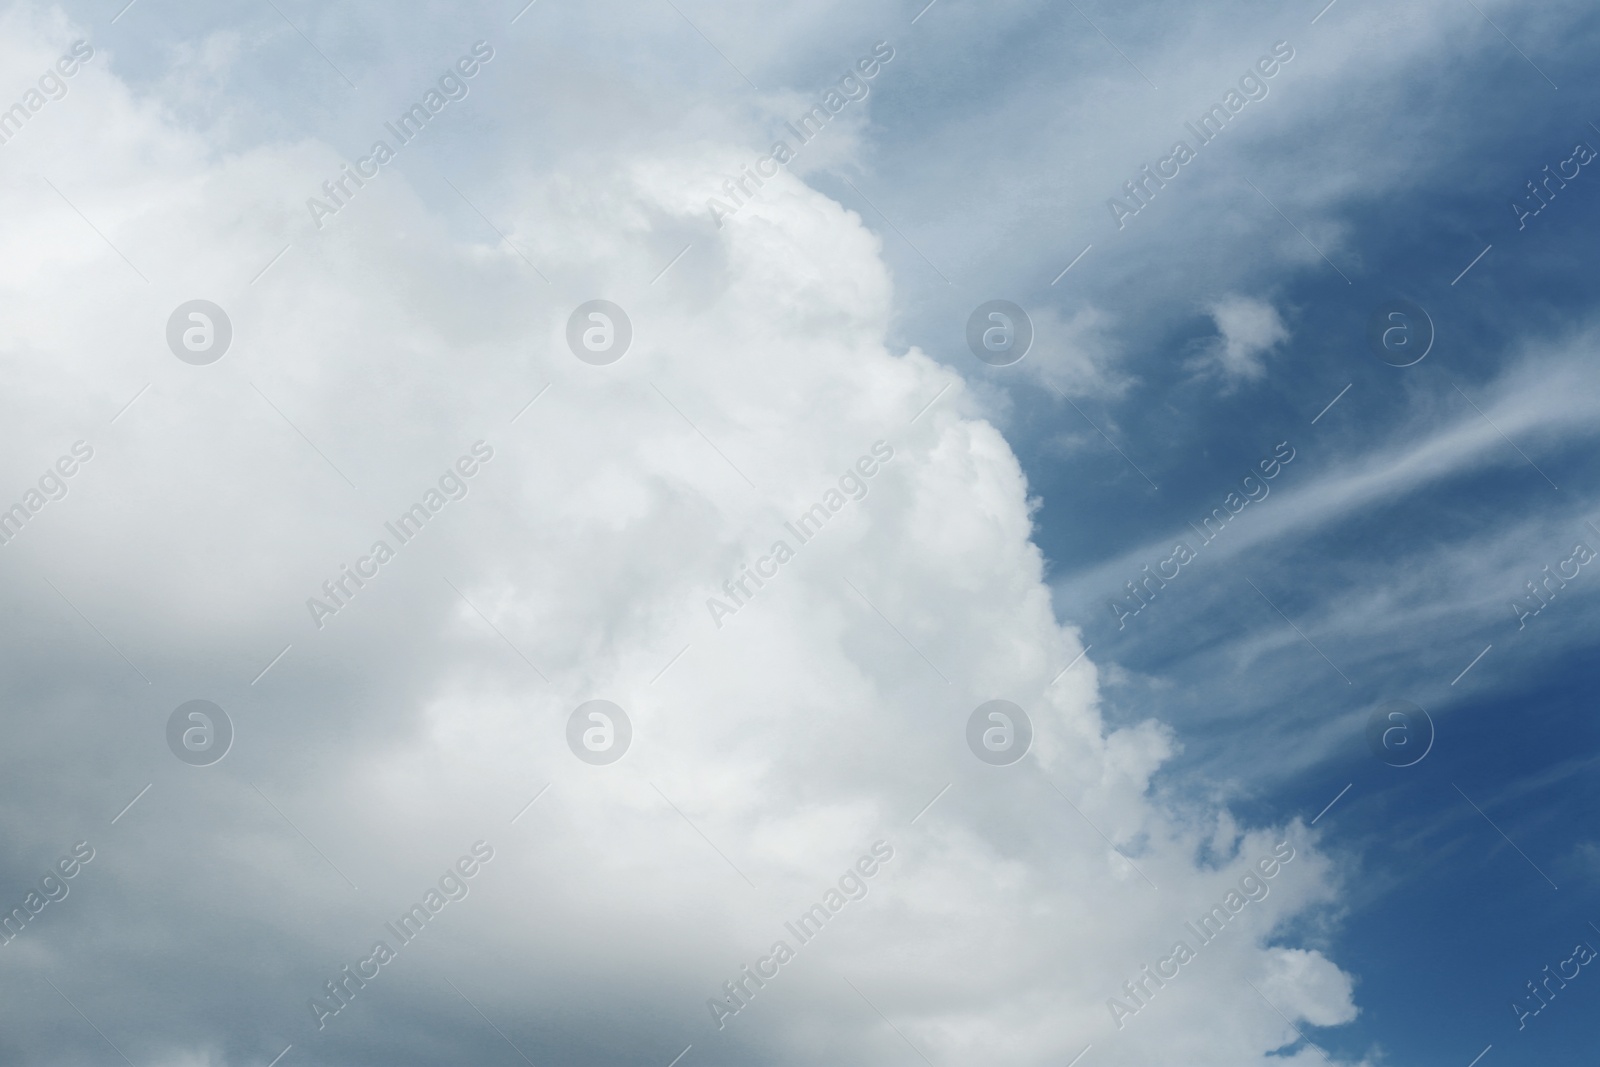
column 1308, row 985
column 769, row 751
column 1247, row 331
column 1371, row 553
column 1582, row 863
column 1540, row 398
column 1077, row 355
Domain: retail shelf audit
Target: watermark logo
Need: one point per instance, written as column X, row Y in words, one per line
column 999, row 733
column 1544, row 590
column 1540, row 195
column 599, row 332
column 199, row 733
column 1400, row 733
column 52, row 486
column 453, row 885
column 453, row 485
column 598, row 732
column 741, row 190
column 51, row 888
column 338, row 192
column 1251, row 888
column 852, row 486
column 1400, row 333
column 999, row 333
column 199, row 332
column 51, row 87
column 1141, row 190
column 1540, row 994
column 852, row 885
column 1253, row 489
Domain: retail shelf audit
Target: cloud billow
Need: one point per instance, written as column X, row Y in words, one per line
column 762, row 754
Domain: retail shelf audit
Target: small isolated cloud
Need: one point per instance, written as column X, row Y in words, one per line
column 1247, row 329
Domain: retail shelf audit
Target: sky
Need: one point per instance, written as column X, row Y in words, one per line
column 580, row 590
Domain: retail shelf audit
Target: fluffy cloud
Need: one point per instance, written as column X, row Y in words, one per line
column 769, row 752
column 1247, row 330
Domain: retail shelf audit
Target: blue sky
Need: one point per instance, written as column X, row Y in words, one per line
column 1227, row 321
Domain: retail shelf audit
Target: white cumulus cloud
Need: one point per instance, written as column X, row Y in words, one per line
column 771, row 748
